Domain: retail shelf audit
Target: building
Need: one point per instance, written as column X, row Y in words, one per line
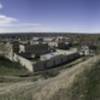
column 15, row 46
column 64, row 45
column 26, row 55
column 87, row 50
column 46, row 61
column 55, row 59
column 37, row 48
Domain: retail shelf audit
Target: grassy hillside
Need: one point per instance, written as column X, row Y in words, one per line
column 80, row 82
column 86, row 86
column 9, row 68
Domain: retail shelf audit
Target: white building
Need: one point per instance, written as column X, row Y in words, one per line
column 85, row 50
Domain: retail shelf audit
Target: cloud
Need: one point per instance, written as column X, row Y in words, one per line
column 10, row 24
column 1, row 6
column 5, row 20
column 23, row 27
column 20, row 24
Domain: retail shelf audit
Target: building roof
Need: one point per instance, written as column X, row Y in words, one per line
column 49, row 55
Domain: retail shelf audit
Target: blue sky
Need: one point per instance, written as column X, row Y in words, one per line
column 50, row 16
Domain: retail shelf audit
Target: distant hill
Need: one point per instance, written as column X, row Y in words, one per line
column 28, row 35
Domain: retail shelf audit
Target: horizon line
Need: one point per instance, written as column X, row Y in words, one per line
column 50, row 32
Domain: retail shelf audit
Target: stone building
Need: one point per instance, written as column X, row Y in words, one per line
column 53, row 60
column 47, row 59
column 36, row 48
column 64, row 45
column 87, row 50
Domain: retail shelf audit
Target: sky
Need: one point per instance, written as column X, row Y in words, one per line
column 50, row 16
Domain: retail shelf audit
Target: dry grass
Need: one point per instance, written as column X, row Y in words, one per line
column 70, row 84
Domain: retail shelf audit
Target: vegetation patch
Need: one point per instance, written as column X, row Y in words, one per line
column 86, row 86
column 10, row 68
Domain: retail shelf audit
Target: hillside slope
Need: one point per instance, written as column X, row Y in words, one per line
column 77, row 83
column 8, row 68
column 80, row 82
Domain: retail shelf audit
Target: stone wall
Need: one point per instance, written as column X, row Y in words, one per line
column 24, row 62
